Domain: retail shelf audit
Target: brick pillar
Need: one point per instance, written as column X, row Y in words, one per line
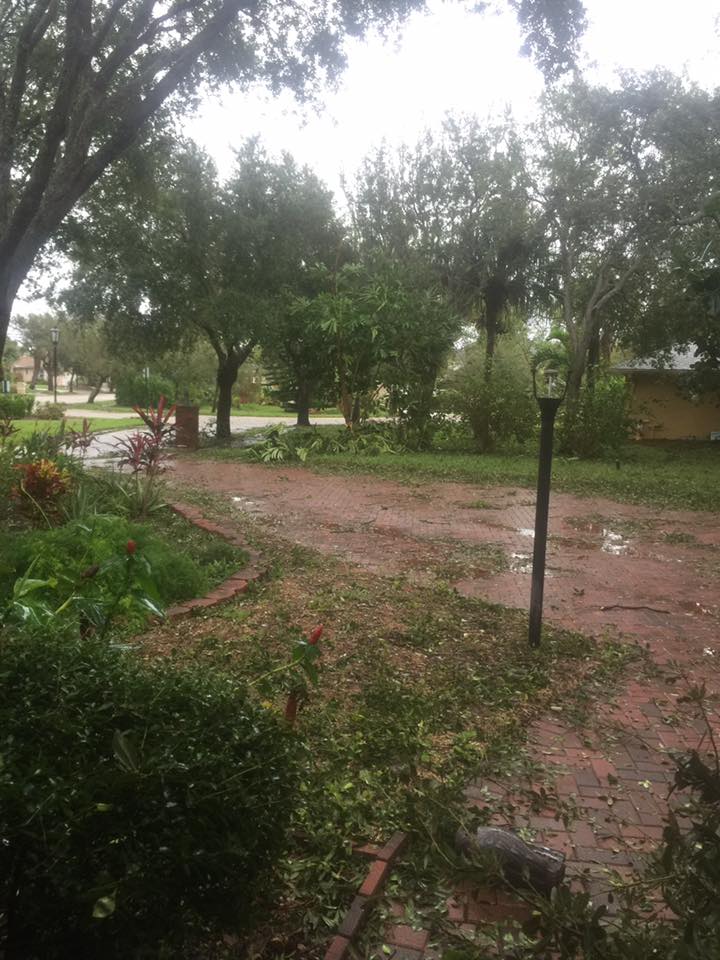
column 187, row 426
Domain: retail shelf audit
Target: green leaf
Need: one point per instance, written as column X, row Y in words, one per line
column 104, row 907
column 124, row 751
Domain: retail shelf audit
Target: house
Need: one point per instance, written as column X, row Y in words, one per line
column 663, row 405
column 22, row 369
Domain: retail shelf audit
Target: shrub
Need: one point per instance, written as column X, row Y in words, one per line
column 139, row 804
column 504, row 402
column 42, row 481
column 50, row 411
column 599, row 424
column 16, row 405
column 63, row 553
column 131, row 391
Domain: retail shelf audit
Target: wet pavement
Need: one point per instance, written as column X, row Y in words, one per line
column 642, row 574
column 611, row 568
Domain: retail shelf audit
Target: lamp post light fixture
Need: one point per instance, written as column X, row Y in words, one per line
column 55, row 337
column 549, row 397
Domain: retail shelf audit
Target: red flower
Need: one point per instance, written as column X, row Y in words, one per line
column 315, row 635
column 131, row 547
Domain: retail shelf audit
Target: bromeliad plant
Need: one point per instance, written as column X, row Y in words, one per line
column 79, row 441
column 40, row 486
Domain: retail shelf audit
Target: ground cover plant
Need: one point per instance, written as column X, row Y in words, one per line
column 419, row 691
column 140, row 804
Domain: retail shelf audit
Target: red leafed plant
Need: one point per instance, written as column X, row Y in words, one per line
column 141, row 452
column 41, row 480
column 7, row 429
column 80, row 439
column 158, row 420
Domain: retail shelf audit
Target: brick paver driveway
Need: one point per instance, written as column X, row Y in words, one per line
column 649, row 575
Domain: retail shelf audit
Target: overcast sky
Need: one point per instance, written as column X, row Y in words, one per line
column 451, row 59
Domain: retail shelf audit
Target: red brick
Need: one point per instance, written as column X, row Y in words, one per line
column 375, row 879
column 369, row 850
column 603, row 769
column 456, row 911
column 394, row 847
column 338, row 949
column 354, row 919
column 403, row 936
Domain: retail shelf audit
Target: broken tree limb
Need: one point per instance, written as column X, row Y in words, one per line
column 521, row 864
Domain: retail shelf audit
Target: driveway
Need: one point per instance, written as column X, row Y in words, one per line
column 612, row 568
column 645, row 575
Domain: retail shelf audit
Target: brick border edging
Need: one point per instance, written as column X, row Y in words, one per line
column 235, row 584
column 354, row 920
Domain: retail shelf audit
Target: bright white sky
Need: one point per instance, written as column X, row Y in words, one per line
column 450, row 59
column 453, row 59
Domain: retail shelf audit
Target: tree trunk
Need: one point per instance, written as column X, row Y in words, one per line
column 71, row 383
column 96, row 390
column 227, row 372
column 356, row 411
column 49, row 370
column 493, row 311
column 37, row 367
column 593, row 360
column 302, row 402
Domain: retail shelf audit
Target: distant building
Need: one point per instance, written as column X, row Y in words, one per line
column 662, row 405
column 22, row 369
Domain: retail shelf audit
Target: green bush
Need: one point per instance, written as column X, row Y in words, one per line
column 503, row 403
column 138, row 391
column 50, row 411
column 598, row 425
column 63, row 553
column 16, row 405
column 140, row 804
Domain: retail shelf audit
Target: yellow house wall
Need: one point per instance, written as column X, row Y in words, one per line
column 663, row 413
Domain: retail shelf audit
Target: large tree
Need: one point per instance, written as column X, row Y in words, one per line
column 80, row 79
column 620, row 174
column 459, row 203
column 201, row 259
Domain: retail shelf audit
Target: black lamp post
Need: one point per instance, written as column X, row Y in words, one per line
column 549, row 399
column 55, row 337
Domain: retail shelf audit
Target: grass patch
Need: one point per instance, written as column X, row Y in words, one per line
column 421, row 691
column 29, row 426
column 245, row 410
column 681, row 475
column 685, row 477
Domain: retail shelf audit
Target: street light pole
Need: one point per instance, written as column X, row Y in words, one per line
column 55, row 335
column 549, row 407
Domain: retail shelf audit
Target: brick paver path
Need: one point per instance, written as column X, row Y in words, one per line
column 643, row 573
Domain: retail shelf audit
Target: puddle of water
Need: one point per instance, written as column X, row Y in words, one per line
column 520, row 563
column 613, row 543
column 245, row 503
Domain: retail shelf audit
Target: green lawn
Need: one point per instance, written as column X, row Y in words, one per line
column 246, row 410
column 681, row 476
column 28, row 426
